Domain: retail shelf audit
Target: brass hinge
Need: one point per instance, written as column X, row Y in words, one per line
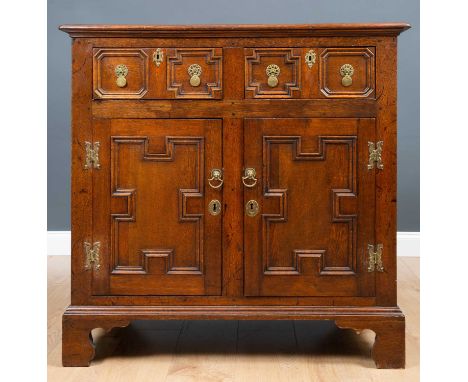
column 92, row 254
column 375, row 155
column 92, row 155
column 375, row 258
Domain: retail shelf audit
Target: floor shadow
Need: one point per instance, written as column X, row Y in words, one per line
column 314, row 338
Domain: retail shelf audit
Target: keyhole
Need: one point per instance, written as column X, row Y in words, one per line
column 251, row 208
column 157, row 56
column 214, row 207
column 309, row 58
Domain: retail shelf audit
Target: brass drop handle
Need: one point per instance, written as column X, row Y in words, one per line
column 346, row 72
column 216, row 176
column 121, row 72
column 249, row 178
column 194, row 72
column 272, row 71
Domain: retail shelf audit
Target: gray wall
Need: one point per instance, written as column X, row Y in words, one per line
column 238, row 11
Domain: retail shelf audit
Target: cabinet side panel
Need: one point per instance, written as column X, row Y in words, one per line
column 386, row 186
column 81, row 179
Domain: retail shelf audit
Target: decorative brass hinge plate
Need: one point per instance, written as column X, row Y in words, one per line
column 375, row 258
column 375, row 155
column 92, row 155
column 92, row 254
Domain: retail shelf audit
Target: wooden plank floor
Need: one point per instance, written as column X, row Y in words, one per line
column 234, row 351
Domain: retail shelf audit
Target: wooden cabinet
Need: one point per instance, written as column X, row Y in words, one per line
column 234, row 172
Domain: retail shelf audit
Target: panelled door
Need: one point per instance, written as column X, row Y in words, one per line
column 151, row 203
column 309, row 207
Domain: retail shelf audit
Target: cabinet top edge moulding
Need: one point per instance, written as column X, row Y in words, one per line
column 236, row 30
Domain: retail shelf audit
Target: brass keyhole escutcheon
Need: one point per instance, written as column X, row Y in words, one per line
column 121, row 72
column 310, row 58
column 158, row 57
column 252, row 208
column 272, row 71
column 346, row 72
column 194, row 72
column 214, row 207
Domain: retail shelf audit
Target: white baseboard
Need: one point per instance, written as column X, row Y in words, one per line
column 408, row 243
column 58, row 243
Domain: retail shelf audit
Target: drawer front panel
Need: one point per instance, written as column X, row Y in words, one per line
column 272, row 73
column 195, row 73
column 158, row 73
column 120, row 73
column 347, row 72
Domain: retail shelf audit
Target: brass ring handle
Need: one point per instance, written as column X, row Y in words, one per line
column 216, row 175
column 249, row 174
column 121, row 72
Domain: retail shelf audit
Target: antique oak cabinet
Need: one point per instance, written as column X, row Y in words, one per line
column 234, row 172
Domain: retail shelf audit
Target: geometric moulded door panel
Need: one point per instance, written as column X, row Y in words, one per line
column 316, row 200
column 151, row 205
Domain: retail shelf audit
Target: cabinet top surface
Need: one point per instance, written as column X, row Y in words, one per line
column 235, row 30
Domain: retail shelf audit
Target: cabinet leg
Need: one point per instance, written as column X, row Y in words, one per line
column 388, row 351
column 77, row 342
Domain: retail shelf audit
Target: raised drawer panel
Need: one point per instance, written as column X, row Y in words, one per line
column 195, row 73
column 120, row 73
column 272, row 73
column 347, row 72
